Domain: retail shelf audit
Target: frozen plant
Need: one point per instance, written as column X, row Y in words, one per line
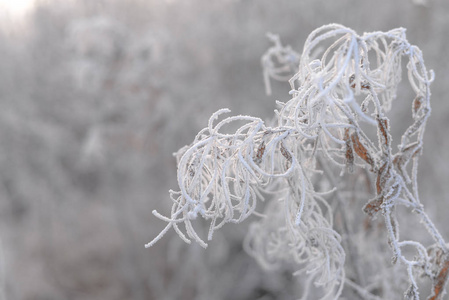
column 309, row 166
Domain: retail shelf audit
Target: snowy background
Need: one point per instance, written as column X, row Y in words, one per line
column 95, row 96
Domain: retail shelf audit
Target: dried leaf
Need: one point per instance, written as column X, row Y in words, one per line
column 373, row 206
column 285, row 153
column 417, row 104
column 361, row 150
column 383, row 174
column 440, row 282
column 259, row 153
column 383, row 127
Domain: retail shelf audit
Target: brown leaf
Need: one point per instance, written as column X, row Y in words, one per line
column 417, row 104
column 361, row 150
column 382, row 176
column 440, row 282
column 373, row 206
column 383, row 128
column 259, row 153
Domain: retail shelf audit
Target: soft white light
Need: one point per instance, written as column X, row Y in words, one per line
column 16, row 8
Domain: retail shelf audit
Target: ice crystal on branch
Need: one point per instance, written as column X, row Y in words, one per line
column 342, row 84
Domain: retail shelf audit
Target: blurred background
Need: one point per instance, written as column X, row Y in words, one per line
column 95, row 96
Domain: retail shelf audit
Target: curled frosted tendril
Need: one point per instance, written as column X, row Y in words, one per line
column 341, row 84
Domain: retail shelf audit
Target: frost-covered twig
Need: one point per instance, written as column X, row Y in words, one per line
column 337, row 94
